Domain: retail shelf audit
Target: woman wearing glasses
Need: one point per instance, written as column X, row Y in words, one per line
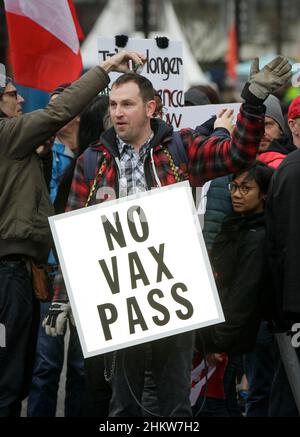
column 238, row 260
column 239, row 263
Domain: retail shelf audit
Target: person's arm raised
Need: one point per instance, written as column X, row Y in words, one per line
column 120, row 62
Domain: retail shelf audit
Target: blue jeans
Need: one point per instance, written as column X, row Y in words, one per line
column 17, row 317
column 259, row 368
column 47, row 370
column 171, row 369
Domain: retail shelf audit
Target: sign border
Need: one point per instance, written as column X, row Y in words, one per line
column 102, row 205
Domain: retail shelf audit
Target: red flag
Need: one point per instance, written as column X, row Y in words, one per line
column 232, row 53
column 207, row 381
column 44, row 42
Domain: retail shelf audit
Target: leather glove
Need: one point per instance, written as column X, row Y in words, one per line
column 56, row 319
column 271, row 77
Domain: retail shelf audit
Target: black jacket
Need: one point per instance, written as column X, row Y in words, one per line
column 282, row 145
column 283, row 237
column 238, row 260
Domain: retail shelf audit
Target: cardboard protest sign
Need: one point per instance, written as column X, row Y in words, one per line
column 163, row 67
column 136, row 269
column 193, row 116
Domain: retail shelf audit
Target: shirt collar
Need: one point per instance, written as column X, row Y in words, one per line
column 122, row 146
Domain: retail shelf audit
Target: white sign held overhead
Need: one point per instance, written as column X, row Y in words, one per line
column 131, row 275
column 193, row 116
column 163, row 67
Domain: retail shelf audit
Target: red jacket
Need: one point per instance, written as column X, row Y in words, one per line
column 272, row 159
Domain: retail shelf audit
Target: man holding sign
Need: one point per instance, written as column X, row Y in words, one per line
column 135, row 155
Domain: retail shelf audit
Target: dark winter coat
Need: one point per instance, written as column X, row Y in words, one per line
column 239, row 262
column 283, row 231
column 218, row 206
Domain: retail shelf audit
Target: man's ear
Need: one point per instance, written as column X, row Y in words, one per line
column 150, row 108
column 292, row 126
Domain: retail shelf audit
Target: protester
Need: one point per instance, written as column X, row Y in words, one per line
column 275, row 144
column 239, row 262
column 259, row 363
column 131, row 139
column 283, row 253
column 25, row 206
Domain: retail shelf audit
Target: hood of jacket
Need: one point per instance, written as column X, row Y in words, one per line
column 282, row 145
column 161, row 130
column 235, row 222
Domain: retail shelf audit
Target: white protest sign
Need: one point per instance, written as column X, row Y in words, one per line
column 136, row 269
column 163, row 67
column 193, row 116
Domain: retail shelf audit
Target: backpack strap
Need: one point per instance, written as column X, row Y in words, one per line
column 90, row 160
column 99, row 173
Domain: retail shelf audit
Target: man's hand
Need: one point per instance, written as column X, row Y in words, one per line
column 45, row 148
column 56, row 319
column 120, row 62
column 271, row 77
column 214, row 359
column 224, row 119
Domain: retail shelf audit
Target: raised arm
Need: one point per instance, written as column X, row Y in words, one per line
column 211, row 157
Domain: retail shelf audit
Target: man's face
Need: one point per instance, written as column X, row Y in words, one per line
column 272, row 132
column 11, row 101
column 130, row 115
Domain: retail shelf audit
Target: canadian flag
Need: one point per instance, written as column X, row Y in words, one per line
column 44, row 42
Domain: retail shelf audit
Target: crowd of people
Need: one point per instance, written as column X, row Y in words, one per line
column 60, row 158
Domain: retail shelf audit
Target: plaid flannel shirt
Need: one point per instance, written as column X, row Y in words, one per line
column 132, row 176
column 208, row 158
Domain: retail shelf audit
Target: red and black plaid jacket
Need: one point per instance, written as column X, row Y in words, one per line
column 208, row 157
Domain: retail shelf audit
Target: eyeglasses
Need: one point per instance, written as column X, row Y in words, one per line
column 243, row 189
column 11, row 93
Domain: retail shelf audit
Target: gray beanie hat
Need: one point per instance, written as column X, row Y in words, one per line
column 193, row 97
column 273, row 110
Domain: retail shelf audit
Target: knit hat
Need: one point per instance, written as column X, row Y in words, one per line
column 194, row 97
column 60, row 88
column 273, row 110
column 294, row 109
